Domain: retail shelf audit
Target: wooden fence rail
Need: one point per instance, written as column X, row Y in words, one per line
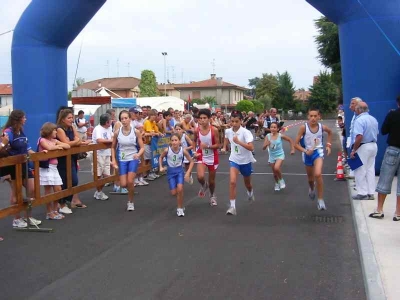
column 38, row 199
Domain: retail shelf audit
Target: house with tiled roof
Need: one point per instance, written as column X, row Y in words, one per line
column 302, row 95
column 226, row 94
column 6, row 99
column 125, row 87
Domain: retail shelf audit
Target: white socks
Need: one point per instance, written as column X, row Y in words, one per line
column 233, row 203
column 250, row 193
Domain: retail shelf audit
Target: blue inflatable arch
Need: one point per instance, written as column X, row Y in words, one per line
column 370, row 65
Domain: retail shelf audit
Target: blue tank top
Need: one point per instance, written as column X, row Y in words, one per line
column 275, row 148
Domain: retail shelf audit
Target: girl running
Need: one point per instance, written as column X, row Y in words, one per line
column 175, row 154
column 273, row 141
column 129, row 141
column 187, row 145
column 50, row 179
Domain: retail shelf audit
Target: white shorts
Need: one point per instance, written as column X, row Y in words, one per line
column 50, row 176
column 147, row 152
column 103, row 165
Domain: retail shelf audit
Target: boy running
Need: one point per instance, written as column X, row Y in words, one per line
column 207, row 140
column 240, row 159
column 309, row 140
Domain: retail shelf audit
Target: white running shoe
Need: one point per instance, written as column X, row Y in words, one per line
column 65, row 210
column 282, row 184
column 33, row 221
column 95, row 194
column 251, row 198
column 202, row 191
column 311, row 194
column 277, row 187
column 19, row 223
column 213, row 201
column 191, row 180
column 321, row 204
column 152, row 176
column 130, row 206
column 101, row 196
column 143, row 182
column 231, row 211
column 180, row 212
column 124, row 191
column 116, row 189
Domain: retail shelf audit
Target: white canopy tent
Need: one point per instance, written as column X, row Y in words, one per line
column 162, row 103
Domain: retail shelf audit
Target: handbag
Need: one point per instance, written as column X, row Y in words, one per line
column 81, row 155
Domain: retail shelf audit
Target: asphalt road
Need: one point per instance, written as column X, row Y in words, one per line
column 275, row 248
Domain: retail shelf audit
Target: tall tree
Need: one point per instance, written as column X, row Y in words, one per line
column 267, row 86
column 79, row 81
column 253, row 82
column 148, row 84
column 324, row 93
column 284, row 98
column 328, row 47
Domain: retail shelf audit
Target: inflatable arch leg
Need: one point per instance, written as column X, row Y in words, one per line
column 39, row 56
column 370, row 63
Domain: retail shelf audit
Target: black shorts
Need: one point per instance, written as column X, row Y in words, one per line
column 10, row 170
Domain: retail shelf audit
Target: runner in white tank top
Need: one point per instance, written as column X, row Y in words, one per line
column 309, row 142
column 174, row 156
column 207, row 140
column 187, row 144
column 127, row 139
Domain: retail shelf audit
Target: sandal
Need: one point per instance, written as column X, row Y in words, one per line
column 52, row 216
column 377, row 215
column 396, row 218
column 79, row 205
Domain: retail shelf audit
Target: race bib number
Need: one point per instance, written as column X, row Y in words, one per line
column 123, row 155
column 207, row 152
column 236, row 149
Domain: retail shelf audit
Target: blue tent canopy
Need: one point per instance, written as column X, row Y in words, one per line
column 123, row 102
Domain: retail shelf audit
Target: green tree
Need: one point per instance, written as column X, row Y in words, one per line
column 210, row 100
column 258, row 106
column 284, row 98
column 148, row 84
column 69, row 95
column 79, row 81
column 324, row 93
column 253, row 82
column 245, row 105
column 267, row 86
column 328, row 47
column 266, row 100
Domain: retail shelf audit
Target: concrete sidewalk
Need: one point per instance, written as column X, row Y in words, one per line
column 379, row 244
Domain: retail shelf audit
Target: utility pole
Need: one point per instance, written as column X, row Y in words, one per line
column 108, row 69
column 165, row 72
column 213, row 65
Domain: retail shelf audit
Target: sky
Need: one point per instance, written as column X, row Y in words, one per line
column 236, row 39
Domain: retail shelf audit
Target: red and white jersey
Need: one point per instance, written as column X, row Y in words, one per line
column 207, row 156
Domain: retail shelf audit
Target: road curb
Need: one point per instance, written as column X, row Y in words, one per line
column 371, row 272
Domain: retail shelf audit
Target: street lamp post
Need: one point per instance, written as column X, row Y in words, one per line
column 165, row 72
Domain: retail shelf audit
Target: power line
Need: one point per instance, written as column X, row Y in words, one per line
column 6, row 32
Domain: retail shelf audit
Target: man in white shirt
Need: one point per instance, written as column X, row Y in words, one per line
column 81, row 125
column 102, row 133
column 241, row 158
